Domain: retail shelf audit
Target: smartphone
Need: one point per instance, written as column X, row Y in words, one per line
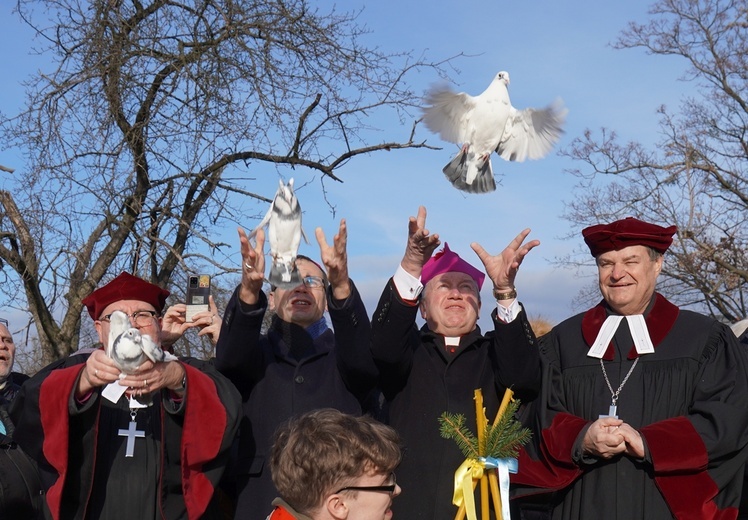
column 198, row 291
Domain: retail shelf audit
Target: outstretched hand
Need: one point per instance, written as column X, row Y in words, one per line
column 420, row 246
column 253, row 266
column 502, row 268
column 335, row 259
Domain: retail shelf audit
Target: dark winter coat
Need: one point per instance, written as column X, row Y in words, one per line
column 420, row 381
column 335, row 370
column 20, row 487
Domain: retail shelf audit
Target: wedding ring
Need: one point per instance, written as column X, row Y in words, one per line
column 145, row 383
column 96, row 373
column 249, row 267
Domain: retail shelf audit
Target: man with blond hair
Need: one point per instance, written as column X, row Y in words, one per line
column 328, row 465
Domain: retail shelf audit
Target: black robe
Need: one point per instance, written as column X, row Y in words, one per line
column 687, row 400
column 81, row 456
column 420, row 381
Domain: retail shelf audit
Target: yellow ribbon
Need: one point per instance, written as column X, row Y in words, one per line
column 468, row 471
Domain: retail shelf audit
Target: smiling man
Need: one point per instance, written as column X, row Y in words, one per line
column 436, row 369
column 301, row 364
column 642, row 413
column 156, row 449
column 328, row 465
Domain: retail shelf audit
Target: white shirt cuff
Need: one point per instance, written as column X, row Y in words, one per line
column 507, row 314
column 408, row 286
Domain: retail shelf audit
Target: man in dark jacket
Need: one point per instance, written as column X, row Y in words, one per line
column 425, row 373
column 20, row 488
column 300, row 365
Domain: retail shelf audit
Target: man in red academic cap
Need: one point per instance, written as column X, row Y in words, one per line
column 642, row 411
column 436, row 369
column 158, row 456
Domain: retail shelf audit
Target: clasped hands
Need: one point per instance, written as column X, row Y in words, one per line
column 100, row 370
column 608, row 437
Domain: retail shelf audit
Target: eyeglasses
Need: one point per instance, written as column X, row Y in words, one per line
column 140, row 318
column 389, row 488
column 313, row 282
column 3, row 321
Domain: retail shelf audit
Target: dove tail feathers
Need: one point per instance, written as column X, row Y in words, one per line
column 285, row 276
column 470, row 173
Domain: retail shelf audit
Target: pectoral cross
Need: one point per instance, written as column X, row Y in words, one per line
column 612, row 411
column 131, row 432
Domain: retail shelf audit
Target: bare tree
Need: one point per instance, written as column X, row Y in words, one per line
column 155, row 117
column 696, row 177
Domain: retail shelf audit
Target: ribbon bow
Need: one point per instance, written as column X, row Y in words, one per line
column 472, row 470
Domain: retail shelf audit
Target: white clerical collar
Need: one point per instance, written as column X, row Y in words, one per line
column 451, row 341
column 639, row 333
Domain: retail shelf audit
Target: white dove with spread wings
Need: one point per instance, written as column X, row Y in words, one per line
column 283, row 220
column 486, row 123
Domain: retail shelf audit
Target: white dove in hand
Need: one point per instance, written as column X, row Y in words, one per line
column 284, row 234
column 487, row 123
column 128, row 347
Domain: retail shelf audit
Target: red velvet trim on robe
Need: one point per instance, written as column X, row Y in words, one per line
column 202, row 436
column 660, row 321
column 55, row 420
column 688, row 495
column 672, row 453
column 555, row 469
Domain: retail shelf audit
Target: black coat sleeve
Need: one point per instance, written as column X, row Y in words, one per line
column 394, row 337
column 352, row 329
column 517, row 358
column 238, row 351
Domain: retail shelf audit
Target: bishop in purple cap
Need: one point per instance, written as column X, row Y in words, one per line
column 436, row 369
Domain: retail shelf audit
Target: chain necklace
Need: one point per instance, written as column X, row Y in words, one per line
column 613, row 410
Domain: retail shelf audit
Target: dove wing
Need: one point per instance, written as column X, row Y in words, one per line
column 531, row 133
column 448, row 114
column 151, row 349
column 264, row 222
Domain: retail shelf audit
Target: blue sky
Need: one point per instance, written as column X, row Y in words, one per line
column 550, row 49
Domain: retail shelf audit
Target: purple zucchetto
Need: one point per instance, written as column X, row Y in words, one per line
column 446, row 261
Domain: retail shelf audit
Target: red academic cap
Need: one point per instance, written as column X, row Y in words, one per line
column 446, row 261
column 125, row 287
column 630, row 231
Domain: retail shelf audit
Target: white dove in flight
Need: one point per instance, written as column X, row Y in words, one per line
column 284, row 234
column 486, row 123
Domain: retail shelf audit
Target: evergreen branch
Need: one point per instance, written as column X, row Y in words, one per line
column 452, row 426
column 504, row 438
